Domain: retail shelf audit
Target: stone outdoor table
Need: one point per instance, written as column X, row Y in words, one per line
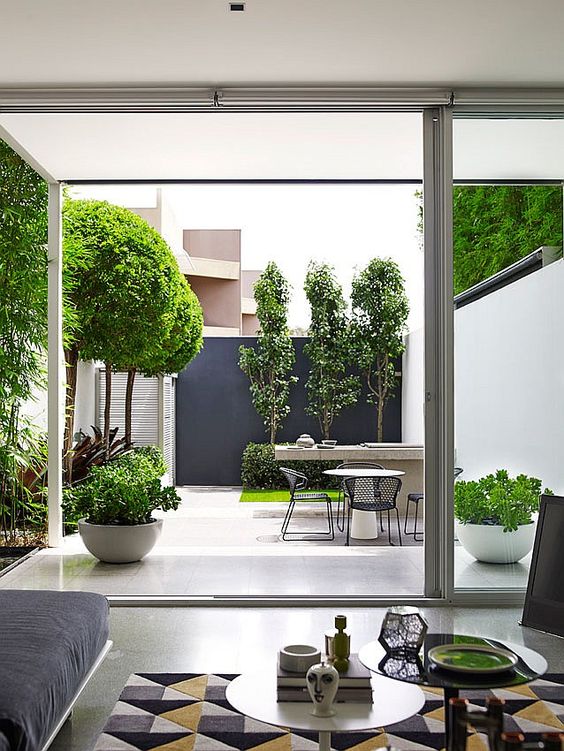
column 406, row 457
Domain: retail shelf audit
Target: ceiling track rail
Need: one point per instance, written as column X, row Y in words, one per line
column 466, row 102
column 176, row 100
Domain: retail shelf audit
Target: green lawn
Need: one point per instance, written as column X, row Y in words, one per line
column 276, row 496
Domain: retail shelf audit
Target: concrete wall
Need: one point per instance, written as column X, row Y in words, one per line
column 220, row 244
column 220, row 300
column 509, row 380
column 250, row 325
column 85, row 409
column 215, row 418
column 413, row 387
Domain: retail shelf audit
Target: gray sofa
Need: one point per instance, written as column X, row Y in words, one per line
column 50, row 643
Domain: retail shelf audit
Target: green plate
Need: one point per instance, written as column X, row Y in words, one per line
column 472, row 658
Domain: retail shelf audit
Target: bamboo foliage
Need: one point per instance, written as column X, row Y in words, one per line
column 23, row 332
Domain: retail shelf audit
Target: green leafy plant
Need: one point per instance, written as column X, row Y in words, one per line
column 260, row 470
column 23, row 332
column 379, row 314
column 125, row 491
column 270, row 364
column 496, row 225
column 498, row 499
column 329, row 388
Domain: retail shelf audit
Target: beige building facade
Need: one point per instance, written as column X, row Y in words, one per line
column 211, row 261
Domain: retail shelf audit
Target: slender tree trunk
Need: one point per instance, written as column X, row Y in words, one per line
column 380, row 389
column 71, row 360
column 128, row 403
column 326, row 426
column 107, row 409
column 380, row 421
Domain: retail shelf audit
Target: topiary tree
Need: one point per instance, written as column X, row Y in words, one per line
column 270, row 364
column 123, row 288
column 379, row 314
column 329, row 389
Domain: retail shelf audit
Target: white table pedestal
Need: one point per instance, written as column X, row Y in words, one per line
column 364, row 525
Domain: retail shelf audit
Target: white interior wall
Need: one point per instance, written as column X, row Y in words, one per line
column 509, row 380
column 413, row 386
column 85, row 407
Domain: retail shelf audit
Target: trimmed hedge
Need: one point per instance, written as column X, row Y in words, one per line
column 259, row 469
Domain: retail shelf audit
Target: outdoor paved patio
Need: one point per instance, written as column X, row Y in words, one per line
column 211, row 546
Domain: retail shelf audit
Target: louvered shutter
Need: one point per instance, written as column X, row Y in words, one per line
column 144, row 407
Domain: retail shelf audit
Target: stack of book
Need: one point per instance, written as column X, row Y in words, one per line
column 354, row 685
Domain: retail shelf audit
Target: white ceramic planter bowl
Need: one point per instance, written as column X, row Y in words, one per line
column 491, row 544
column 120, row 543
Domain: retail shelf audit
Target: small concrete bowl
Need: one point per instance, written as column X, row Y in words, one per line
column 298, row 658
column 329, row 443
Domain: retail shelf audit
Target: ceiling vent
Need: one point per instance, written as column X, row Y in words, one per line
column 237, row 7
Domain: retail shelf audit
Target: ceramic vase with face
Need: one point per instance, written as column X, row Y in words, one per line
column 322, row 683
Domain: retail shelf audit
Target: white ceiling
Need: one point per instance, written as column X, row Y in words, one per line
column 198, row 42
column 220, row 145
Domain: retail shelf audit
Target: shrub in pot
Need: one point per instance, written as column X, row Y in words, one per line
column 113, row 506
column 495, row 516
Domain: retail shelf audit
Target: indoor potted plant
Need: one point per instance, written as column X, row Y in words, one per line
column 495, row 516
column 113, row 506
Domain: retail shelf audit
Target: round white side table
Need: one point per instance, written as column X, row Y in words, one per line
column 254, row 694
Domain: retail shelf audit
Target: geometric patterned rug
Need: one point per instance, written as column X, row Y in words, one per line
column 189, row 712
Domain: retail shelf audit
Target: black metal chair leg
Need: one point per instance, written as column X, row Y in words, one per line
column 399, row 528
column 330, row 520
column 287, row 518
column 415, row 538
column 406, row 515
column 381, row 523
column 348, row 524
column 342, row 496
column 389, row 533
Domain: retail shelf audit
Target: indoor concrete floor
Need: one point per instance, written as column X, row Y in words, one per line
column 234, row 640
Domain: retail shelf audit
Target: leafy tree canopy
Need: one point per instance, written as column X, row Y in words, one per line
column 124, row 281
column 183, row 341
column 270, row 364
column 380, row 308
column 329, row 389
column 496, row 225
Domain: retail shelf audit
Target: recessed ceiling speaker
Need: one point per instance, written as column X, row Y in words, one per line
column 237, row 7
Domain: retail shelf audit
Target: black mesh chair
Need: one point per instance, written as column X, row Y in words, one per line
column 376, row 494
column 342, row 490
column 416, row 498
column 298, row 483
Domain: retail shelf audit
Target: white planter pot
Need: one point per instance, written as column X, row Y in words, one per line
column 492, row 545
column 115, row 543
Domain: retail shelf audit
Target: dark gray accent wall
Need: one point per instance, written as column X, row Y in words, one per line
column 215, row 418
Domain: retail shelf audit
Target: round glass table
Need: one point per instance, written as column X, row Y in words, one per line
column 254, row 694
column 418, row 669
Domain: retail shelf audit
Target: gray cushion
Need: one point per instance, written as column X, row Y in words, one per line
column 48, row 643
